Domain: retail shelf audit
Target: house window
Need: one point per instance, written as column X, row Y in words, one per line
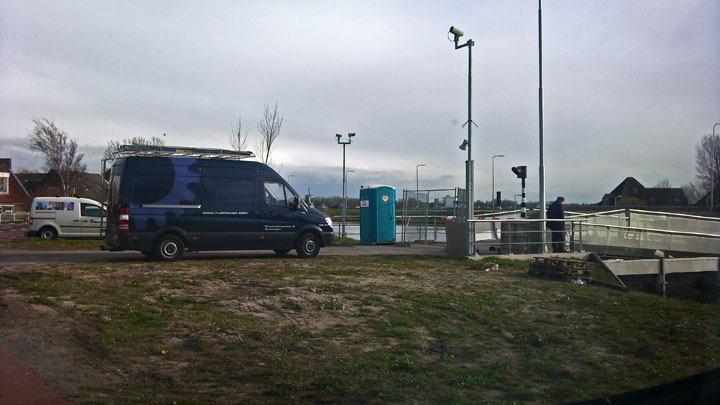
column 6, row 209
column 4, row 183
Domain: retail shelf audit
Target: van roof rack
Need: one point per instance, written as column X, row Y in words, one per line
column 181, row 151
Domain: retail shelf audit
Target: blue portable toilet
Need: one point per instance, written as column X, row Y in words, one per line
column 377, row 214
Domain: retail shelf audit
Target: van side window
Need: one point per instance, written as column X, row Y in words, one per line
column 227, row 194
column 89, row 210
column 275, row 194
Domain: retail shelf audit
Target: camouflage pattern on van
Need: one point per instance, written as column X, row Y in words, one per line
column 170, row 193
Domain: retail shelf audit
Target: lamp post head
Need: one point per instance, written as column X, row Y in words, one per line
column 464, row 144
column 499, row 156
column 351, row 134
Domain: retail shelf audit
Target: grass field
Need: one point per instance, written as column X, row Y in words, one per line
column 59, row 244
column 346, row 330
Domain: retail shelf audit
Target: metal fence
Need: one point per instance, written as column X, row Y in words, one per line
column 424, row 213
column 508, row 233
column 12, row 217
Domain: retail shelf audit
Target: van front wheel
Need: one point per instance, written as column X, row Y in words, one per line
column 48, row 232
column 308, row 245
column 169, row 248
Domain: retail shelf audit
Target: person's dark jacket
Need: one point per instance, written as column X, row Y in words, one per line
column 555, row 211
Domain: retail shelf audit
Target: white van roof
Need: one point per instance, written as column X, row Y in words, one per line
column 67, row 199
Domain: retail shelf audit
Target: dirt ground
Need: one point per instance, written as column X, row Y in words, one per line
column 53, row 344
column 32, row 334
column 228, row 326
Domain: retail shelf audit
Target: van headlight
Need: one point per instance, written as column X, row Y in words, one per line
column 328, row 220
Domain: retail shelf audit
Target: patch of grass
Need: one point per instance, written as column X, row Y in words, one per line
column 344, row 241
column 340, row 272
column 59, row 244
column 128, row 325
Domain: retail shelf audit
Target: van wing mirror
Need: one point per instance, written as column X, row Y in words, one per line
column 294, row 203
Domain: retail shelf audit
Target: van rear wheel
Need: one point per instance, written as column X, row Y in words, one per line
column 169, row 248
column 308, row 245
column 48, row 232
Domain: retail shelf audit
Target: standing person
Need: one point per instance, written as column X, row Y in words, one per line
column 555, row 211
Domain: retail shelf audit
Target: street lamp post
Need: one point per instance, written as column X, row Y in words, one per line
column 344, row 203
column 541, row 133
column 712, row 171
column 347, row 173
column 492, row 196
column 469, row 167
column 417, row 185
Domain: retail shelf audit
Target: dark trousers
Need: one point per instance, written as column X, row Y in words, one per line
column 558, row 241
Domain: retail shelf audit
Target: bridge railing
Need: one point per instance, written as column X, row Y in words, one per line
column 618, row 232
column 651, row 230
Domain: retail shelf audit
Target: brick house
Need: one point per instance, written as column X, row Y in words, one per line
column 13, row 196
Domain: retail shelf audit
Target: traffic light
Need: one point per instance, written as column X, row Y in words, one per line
column 520, row 171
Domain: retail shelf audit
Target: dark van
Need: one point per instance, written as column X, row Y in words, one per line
column 162, row 206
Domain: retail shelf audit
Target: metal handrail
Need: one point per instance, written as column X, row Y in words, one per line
column 672, row 214
column 636, row 211
column 652, row 230
column 594, row 214
column 530, row 220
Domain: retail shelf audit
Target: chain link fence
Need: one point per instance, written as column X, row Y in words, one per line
column 424, row 213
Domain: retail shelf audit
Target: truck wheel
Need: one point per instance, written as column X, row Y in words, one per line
column 308, row 245
column 48, row 232
column 169, row 248
column 281, row 252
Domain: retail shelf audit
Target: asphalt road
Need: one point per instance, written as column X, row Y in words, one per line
column 8, row 231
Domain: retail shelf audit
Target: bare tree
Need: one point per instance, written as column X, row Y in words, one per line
column 60, row 154
column 114, row 146
column 707, row 164
column 238, row 138
column 269, row 129
column 692, row 192
column 664, row 183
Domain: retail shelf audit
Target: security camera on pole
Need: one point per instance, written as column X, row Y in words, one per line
column 521, row 173
column 467, row 144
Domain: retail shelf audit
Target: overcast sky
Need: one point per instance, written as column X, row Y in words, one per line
column 630, row 85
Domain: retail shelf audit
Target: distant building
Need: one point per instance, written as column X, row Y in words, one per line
column 631, row 193
column 88, row 185
column 13, row 196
